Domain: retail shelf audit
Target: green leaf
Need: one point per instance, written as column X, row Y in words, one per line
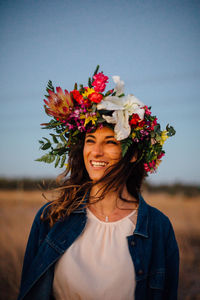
column 63, row 139
column 48, row 141
column 171, row 130
column 75, row 86
column 96, row 70
column 50, row 86
column 50, row 158
column 89, row 82
column 125, row 144
column 45, row 146
column 121, row 95
column 54, row 138
column 108, row 93
column 57, row 161
column 76, row 132
column 63, row 160
column 47, row 158
column 157, row 128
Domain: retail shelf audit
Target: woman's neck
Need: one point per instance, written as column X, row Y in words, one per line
column 111, row 200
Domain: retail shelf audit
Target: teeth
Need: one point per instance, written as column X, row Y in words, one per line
column 98, row 163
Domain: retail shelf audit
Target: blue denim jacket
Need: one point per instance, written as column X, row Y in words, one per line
column 153, row 249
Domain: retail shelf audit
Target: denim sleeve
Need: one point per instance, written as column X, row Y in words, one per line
column 31, row 248
column 172, row 267
column 34, row 240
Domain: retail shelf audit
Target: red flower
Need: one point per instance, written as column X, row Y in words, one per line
column 99, row 82
column 161, row 155
column 135, row 119
column 95, row 97
column 153, row 124
column 77, row 96
column 141, row 124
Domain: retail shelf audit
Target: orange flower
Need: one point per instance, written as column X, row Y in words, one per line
column 58, row 104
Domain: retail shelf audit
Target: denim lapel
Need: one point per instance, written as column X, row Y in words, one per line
column 142, row 219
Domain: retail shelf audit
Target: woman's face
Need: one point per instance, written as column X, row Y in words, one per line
column 101, row 151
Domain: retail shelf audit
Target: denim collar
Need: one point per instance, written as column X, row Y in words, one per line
column 142, row 219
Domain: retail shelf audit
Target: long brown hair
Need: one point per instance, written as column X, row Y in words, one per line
column 75, row 183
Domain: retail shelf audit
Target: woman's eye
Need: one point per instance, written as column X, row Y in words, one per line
column 112, row 142
column 89, row 141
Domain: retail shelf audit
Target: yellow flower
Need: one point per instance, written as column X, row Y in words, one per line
column 133, row 135
column 88, row 92
column 164, row 137
column 158, row 161
column 93, row 119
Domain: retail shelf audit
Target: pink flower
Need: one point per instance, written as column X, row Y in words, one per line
column 99, row 82
column 147, row 110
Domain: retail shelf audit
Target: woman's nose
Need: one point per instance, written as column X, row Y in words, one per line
column 98, row 149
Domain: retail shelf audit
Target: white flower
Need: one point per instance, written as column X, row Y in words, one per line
column 119, row 88
column 122, row 128
column 123, row 107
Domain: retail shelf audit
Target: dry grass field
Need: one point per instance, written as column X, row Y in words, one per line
column 17, row 210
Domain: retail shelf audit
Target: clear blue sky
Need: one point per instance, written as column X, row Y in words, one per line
column 153, row 45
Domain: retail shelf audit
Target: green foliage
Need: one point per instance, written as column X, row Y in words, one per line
column 58, row 149
column 47, row 158
column 125, row 144
column 171, row 130
column 63, row 160
column 54, row 138
column 89, row 82
column 49, row 87
column 75, row 86
column 96, row 70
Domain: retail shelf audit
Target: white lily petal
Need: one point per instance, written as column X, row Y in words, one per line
column 130, row 98
column 119, row 88
column 122, row 128
column 109, row 119
column 112, row 103
column 134, row 106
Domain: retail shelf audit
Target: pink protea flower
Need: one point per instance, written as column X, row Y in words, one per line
column 58, row 104
column 99, row 82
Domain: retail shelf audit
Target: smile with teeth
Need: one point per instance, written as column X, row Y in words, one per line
column 98, row 163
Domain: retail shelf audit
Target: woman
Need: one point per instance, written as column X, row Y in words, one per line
column 99, row 239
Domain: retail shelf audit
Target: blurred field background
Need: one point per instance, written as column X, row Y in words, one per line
column 20, row 200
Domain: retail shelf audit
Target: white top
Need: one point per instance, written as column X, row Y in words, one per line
column 98, row 265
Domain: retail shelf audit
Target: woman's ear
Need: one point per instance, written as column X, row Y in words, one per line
column 134, row 158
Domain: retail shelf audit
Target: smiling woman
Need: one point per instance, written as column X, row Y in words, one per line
column 101, row 151
column 99, row 239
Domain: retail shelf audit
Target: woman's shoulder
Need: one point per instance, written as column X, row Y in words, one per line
column 153, row 212
column 158, row 214
column 43, row 208
column 156, row 217
column 159, row 221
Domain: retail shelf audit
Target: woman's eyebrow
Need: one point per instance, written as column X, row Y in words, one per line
column 90, row 135
column 93, row 136
column 109, row 136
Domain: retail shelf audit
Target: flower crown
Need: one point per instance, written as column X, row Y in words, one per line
column 85, row 109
